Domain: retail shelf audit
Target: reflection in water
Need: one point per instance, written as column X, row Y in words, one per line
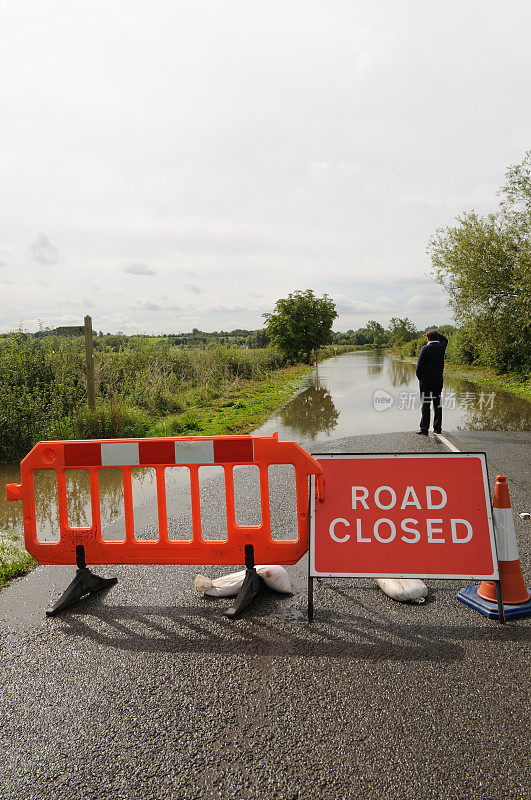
column 78, row 494
column 79, row 510
column 400, row 372
column 375, row 363
column 484, row 410
column 352, row 380
column 311, row 411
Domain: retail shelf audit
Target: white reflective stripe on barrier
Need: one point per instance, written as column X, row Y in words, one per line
column 505, row 534
column 194, row 452
column 117, row 454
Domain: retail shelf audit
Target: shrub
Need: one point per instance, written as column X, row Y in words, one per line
column 110, row 420
column 461, row 348
column 138, row 379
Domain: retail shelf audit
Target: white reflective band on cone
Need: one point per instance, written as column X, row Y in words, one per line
column 505, row 534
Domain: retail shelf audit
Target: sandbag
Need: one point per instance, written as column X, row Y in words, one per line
column 404, row 590
column 275, row 577
column 226, row 586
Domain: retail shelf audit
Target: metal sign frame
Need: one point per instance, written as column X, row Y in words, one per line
column 312, row 573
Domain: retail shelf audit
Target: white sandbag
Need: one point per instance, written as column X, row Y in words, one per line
column 226, row 586
column 404, row 589
column 275, row 577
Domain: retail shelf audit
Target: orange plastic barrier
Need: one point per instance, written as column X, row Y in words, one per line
column 191, row 452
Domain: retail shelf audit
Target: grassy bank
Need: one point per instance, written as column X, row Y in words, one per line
column 239, row 410
column 514, row 384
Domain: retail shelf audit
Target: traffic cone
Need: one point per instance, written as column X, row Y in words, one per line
column 515, row 596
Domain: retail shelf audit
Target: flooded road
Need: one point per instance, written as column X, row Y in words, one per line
column 371, row 392
column 357, row 393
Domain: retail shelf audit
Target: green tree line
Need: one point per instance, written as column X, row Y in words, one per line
column 484, row 263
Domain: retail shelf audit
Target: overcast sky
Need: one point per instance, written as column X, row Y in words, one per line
column 169, row 165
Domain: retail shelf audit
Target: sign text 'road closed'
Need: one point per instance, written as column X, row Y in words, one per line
column 403, row 515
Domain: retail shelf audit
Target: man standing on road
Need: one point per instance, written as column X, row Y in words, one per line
column 430, row 375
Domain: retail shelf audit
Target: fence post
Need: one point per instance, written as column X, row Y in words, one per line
column 91, row 393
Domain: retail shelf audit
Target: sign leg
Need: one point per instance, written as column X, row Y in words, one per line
column 310, row 599
column 501, row 610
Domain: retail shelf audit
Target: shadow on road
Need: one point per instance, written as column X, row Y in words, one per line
column 338, row 635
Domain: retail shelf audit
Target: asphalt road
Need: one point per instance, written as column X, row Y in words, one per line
column 148, row 691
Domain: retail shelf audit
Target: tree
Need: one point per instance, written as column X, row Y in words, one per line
column 257, row 339
column 376, row 333
column 301, row 323
column 310, row 412
column 484, row 263
column 401, row 330
column 362, row 336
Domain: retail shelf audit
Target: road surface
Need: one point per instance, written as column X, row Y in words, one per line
column 149, row 692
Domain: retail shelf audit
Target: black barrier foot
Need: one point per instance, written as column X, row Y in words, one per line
column 84, row 584
column 252, row 586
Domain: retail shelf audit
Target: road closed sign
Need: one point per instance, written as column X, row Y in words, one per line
column 403, row 515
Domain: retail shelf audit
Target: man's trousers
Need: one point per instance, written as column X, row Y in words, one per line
column 431, row 393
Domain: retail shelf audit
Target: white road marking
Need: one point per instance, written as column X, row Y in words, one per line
column 445, row 441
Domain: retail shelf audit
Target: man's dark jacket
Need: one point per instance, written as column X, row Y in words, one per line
column 431, row 364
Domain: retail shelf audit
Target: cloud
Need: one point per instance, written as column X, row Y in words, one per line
column 149, row 304
column 369, row 46
column 225, row 309
column 478, row 196
column 146, row 304
column 409, row 280
column 53, row 321
column 117, row 318
column 43, row 250
column 139, row 268
column 378, row 306
column 341, row 168
column 424, row 302
column 65, row 319
column 320, row 171
column 115, row 322
column 422, row 200
column 195, row 289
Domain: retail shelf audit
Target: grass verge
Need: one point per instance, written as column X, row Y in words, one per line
column 239, row 410
column 487, row 377
column 14, row 560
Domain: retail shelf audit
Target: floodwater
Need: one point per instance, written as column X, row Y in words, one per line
column 371, row 392
column 357, row 393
